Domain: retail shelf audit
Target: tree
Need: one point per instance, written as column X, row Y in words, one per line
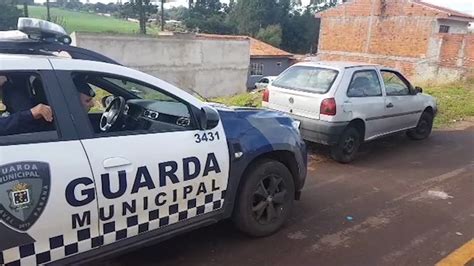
column 9, row 15
column 137, row 9
column 163, row 21
column 271, row 35
column 252, row 15
column 299, row 32
column 177, row 13
column 25, row 6
column 141, row 16
column 208, row 16
column 48, row 13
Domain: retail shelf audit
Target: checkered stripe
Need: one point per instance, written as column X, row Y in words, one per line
column 32, row 254
column 139, row 225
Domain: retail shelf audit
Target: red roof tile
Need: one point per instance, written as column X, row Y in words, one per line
column 257, row 47
column 450, row 12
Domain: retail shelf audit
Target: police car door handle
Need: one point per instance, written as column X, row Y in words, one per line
column 116, row 162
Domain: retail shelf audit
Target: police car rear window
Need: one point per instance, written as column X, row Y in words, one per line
column 24, row 109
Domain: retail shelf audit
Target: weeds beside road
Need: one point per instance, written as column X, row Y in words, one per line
column 455, row 101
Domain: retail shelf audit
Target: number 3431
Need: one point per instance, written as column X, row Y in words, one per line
column 206, row 136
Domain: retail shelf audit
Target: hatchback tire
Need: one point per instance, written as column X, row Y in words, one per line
column 346, row 149
column 423, row 128
column 265, row 200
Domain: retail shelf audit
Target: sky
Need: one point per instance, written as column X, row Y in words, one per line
column 466, row 6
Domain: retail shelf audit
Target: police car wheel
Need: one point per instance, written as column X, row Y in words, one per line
column 265, row 199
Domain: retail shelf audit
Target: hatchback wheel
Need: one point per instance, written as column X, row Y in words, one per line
column 423, row 128
column 346, row 149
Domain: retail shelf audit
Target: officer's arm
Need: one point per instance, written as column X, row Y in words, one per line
column 15, row 123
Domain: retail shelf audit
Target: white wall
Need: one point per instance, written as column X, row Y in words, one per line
column 459, row 27
column 210, row 67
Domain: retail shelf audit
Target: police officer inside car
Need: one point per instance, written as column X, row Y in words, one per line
column 20, row 122
column 86, row 93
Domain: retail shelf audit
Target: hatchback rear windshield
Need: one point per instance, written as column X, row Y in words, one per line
column 306, row 78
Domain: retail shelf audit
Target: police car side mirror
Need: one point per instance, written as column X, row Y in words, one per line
column 209, row 118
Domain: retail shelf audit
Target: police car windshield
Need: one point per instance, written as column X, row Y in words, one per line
column 140, row 91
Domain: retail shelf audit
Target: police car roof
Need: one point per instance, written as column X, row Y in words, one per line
column 26, row 56
column 39, row 37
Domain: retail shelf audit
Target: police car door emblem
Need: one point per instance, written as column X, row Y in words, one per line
column 24, row 191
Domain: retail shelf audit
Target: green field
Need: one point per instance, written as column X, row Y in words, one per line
column 81, row 21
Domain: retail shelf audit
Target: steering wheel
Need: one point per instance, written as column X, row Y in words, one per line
column 114, row 112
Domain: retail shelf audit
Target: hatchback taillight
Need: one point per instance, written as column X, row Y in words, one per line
column 328, row 107
column 266, row 95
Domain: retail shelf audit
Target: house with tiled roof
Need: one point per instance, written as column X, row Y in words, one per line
column 265, row 59
column 425, row 41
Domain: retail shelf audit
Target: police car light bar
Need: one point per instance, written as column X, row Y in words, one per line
column 43, row 30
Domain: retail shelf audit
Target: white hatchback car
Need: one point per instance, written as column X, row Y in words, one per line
column 264, row 82
column 342, row 104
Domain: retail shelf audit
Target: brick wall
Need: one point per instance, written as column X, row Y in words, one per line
column 396, row 33
column 401, row 36
column 396, row 28
column 457, row 50
column 344, row 34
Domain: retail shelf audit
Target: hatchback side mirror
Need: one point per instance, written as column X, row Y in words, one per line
column 209, row 118
column 418, row 90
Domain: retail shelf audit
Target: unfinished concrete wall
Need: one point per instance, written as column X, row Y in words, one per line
column 210, row 67
column 461, row 27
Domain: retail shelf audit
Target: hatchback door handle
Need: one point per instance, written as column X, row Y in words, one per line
column 115, row 162
column 389, row 105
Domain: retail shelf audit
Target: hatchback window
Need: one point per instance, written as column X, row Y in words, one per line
column 364, row 84
column 394, row 84
column 313, row 79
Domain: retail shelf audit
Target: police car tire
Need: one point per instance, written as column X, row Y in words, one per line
column 243, row 216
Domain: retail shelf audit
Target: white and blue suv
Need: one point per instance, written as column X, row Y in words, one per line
column 97, row 158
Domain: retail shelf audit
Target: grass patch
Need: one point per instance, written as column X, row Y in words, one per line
column 455, row 101
column 87, row 22
column 244, row 99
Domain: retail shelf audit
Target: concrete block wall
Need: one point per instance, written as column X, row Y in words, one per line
column 211, row 67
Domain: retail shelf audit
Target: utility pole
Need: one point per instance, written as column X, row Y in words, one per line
column 48, row 14
column 141, row 18
column 162, row 15
column 25, row 8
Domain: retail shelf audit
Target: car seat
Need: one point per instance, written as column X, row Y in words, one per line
column 37, row 90
column 16, row 95
column 358, row 87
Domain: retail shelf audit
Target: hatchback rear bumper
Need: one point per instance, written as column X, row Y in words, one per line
column 318, row 131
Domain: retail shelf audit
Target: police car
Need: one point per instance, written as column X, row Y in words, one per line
column 126, row 158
